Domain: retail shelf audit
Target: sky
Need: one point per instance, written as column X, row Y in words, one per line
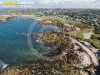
column 63, row 3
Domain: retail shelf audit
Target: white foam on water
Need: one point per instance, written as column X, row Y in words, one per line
column 2, row 65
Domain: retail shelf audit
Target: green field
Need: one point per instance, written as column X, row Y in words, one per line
column 67, row 21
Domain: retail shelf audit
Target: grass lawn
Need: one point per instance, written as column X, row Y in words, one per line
column 78, row 33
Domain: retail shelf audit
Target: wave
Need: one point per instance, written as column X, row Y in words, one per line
column 2, row 65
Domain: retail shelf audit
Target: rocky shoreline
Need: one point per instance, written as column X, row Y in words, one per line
column 42, row 67
column 56, row 23
column 81, row 51
column 61, row 23
column 73, row 55
column 5, row 18
column 54, row 39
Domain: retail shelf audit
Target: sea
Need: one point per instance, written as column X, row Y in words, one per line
column 14, row 41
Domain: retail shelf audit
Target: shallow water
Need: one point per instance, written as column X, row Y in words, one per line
column 14, row 47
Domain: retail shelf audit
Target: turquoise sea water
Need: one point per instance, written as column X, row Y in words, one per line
column 14, row 47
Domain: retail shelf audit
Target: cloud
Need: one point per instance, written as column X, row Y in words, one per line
column 64, row 3
column 49, row 2
column 70, row 3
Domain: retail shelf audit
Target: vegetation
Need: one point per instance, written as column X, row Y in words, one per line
column 54, row 38
column 43, row 67
column 58, row 66
column 95, row 40
column 97, row 30
column 78, row 34
column 67, row 21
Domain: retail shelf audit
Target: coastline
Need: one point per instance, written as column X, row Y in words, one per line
column 3, row 65
column 42, row 22
column 5, row 18
column 36, row 67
